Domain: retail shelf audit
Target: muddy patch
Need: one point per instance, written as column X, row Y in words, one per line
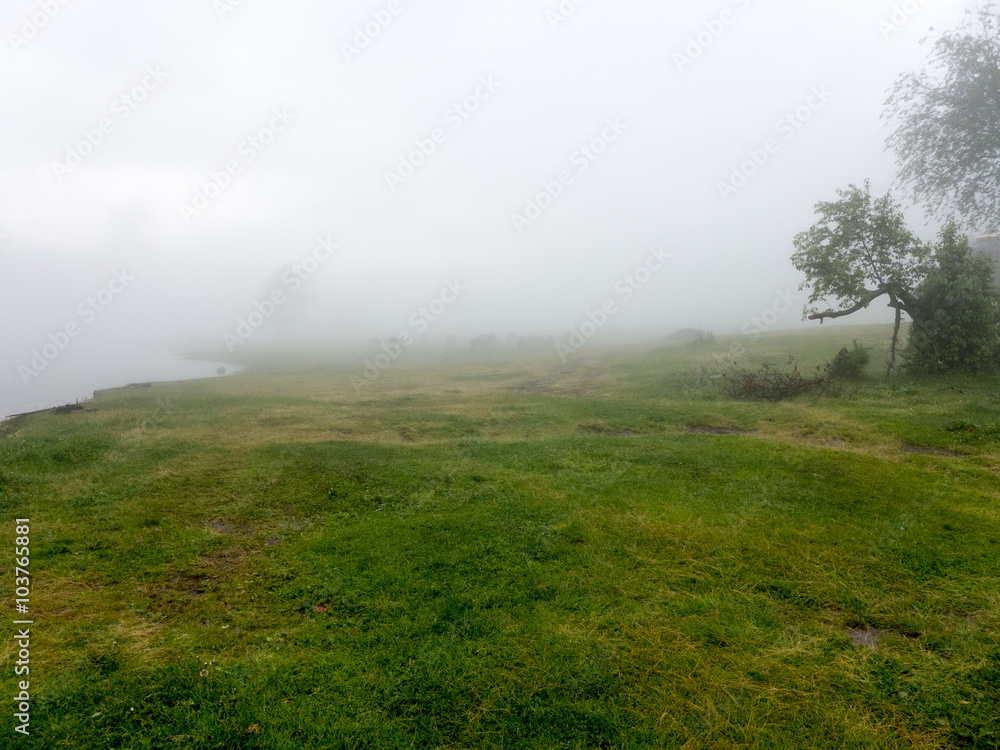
column 545, row 384
column 223, row 561
column 585, row 372
column 727, row 430
column 181, row 586
column 923, row 450
column 596, row 429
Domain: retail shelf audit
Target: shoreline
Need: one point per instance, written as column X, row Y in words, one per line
column 223, row 369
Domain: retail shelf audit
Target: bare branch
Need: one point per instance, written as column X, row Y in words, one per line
column 861, row 305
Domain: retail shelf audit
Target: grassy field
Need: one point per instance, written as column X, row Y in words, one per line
column 487, row 550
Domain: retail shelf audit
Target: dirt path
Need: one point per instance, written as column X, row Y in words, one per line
column 587, row 371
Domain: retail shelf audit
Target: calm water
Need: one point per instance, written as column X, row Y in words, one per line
column 70, row 378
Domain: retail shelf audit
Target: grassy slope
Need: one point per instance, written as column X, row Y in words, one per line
column 495, row 551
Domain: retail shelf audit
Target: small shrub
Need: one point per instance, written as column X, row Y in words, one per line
column 775, row 384
column 701, row 339
column 850, row 364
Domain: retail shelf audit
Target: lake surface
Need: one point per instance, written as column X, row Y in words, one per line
column 76, row 376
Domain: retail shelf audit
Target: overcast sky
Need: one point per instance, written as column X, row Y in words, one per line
column 530, row 153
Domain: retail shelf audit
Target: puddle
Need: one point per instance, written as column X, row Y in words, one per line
column 868, row 637
column 921, row 450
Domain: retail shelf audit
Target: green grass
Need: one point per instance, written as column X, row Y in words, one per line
column 489, row 550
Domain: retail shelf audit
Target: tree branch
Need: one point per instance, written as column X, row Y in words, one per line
column 867, row 300
column 902, row 299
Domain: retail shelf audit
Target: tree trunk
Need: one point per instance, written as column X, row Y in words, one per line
column 895, row 339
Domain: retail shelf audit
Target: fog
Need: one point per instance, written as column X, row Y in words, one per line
column 173, row 171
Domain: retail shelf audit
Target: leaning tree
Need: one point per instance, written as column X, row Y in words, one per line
column 945, row 123
column 858, row 251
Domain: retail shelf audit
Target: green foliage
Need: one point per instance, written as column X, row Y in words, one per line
column 850, row 364
column 947, row 124
column 859, row 250
column 956, row 312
